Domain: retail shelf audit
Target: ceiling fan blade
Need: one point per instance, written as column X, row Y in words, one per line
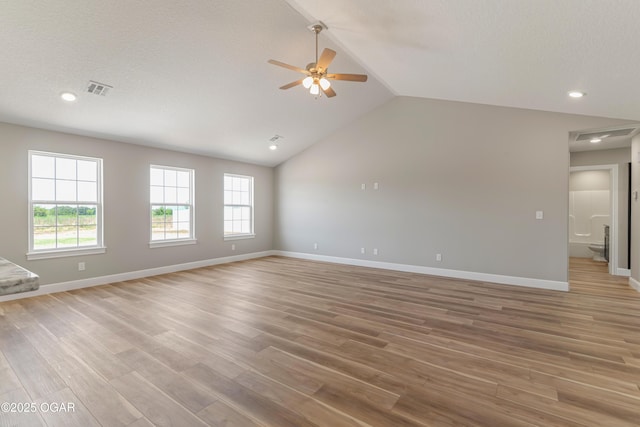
column 292, row 84
column 348, row 77
column 325, row 58
column 329, row 92
column 290, row 67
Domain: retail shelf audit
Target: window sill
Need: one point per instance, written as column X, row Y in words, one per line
column 61, row 253
column 240, row 236
column 167, row 243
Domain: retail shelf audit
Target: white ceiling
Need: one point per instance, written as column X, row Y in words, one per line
column 193, row 76
column 517, row 53
column 188, row 75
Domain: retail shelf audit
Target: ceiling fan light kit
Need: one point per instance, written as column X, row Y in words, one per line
column 307, row 82
column 317, row 73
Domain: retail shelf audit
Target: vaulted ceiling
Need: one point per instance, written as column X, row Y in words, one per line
column 193, row 75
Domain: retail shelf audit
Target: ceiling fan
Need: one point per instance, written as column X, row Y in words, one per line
column 318, row 72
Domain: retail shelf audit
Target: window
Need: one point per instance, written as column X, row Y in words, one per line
column 238, row 206
column 171, row 196
column 65, row 205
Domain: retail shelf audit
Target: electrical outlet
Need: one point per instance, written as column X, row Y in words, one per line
column 315, row 246
column 81, row 266
column 233, row 246
column 362, row 251
column 375, row 251
column 438, row 257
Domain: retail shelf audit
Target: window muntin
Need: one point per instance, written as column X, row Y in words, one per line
column 171, row 201
column 65, row 203
column 238, row 206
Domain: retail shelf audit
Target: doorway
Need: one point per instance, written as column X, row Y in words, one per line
column 588, row 218
column 608, row 150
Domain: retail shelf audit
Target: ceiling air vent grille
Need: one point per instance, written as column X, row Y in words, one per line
column 96, row 88
column 609, row 133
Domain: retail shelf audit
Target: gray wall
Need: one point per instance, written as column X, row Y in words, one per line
column 463, row 180
column 621, row 157
column 126, row 205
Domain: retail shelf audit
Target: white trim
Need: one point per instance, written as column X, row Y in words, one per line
column 191, row 205
column 131, row 275
column 61, row 253
column 625, row 272
column 634, row 284
column 166, row 243
column 613, row 228
column 458, row 274
column 251, row 205
column 64, row 252
column 239, row 236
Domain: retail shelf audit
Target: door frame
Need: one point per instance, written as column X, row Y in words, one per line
column 613, row 200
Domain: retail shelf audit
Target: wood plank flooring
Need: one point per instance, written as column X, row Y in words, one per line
column 291, row 343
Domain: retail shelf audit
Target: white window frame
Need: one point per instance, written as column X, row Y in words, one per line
column 251, row 204
column 99, row 248
column 191, row 240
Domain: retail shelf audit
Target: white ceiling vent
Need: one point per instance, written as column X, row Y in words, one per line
column 98, row 88
column 608, row 133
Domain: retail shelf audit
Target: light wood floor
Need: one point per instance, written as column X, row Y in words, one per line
column 282, row 342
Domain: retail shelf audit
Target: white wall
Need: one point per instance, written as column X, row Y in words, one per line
column 463, row 180
column 126, row 205
column 597, row 180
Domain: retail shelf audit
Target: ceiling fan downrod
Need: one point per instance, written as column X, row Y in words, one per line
column 316, row 29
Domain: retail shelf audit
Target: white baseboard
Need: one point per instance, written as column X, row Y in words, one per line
column 458, row 274
column 634, row 284
column 625, row 272
column 120, row 277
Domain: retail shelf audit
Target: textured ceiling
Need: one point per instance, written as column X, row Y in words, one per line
column 187, row 75
column 517, row 53
column 192, row 75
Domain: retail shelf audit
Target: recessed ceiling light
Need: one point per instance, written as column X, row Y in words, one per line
column 595, row 140
column 273, row 147
column 576, row 94
column 68, row 96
